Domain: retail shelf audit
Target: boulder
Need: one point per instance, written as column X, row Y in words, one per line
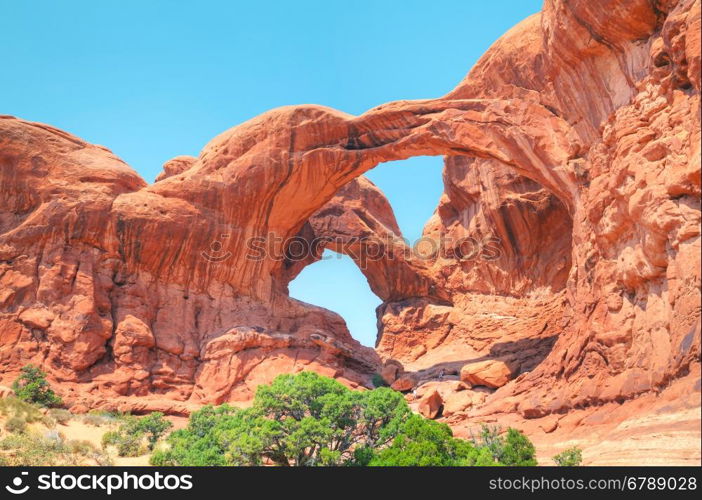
column 489, row 373
column 431, row 404
column 549, row 423
column 79, row 409
column 404, row 383
column 391, row 371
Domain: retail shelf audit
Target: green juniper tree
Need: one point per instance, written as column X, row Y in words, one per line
column 31, row 386
column 310, row 420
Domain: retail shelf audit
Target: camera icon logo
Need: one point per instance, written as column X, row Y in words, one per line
column 17, row 483
column 217, row 253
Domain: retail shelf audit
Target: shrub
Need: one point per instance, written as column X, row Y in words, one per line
column 54, row 435
column 94, row 419
column 427, row 443
column 570, row 457
column 199, row 444
column 514, row 449
column 34, row 450
column 154, row 426
column 131, row 445
column 489, row 439
column 60, row 416
column 127, row 444
column 16, row 425
column 129, row 438
column 102, row 459
column 31, row 450
column 310, row 420
column 11, row 441
column 518, row 450
column 81, row 447
column 31, row 386
column 13, row 406
column 110, row 438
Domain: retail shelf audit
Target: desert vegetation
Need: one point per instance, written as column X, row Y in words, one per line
column 34, row 432
column 31, row 386
column 137, row 436
column 569, row 457
column 311, row 420
column 297, row 420
column 33, row 436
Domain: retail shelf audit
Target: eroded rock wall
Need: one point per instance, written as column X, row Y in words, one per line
column 630, row 90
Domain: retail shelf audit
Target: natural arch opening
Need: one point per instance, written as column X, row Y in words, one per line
column 413, row 187
column 336, row 283
column 453, row 198
column 406, row 196
column 509, row 183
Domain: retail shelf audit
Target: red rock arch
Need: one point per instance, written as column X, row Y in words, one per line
column 269, row 175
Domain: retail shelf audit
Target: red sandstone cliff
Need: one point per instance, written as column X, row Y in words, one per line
column 572, row 147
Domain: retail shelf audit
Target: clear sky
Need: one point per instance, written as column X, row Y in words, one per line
column 155, row 79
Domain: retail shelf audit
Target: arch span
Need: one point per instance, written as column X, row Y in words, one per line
column 269, row 175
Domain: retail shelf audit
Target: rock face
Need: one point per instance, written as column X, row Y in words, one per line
column 567, row 241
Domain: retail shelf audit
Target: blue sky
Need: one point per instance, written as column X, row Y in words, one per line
column 156, row 79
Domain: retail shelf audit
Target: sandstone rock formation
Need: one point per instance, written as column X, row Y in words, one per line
column 567, row 241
